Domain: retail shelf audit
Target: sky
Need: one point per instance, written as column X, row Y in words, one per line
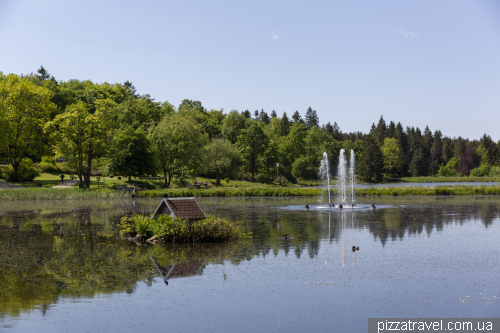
column 434, row 63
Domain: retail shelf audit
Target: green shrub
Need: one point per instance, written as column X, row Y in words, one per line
column 495, row 171
column 49, row 159
column 226, row 180
column 47, row 167
column 26, row 172
column 482, row 171
column 211, row 229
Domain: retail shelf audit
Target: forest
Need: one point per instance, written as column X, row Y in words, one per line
column 110, row 127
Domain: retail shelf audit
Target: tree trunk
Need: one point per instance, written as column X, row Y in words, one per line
column 89, row 165
column 218, row 177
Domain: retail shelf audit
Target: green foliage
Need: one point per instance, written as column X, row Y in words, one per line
column 393, row 156
column 455, row 190
column 59, row 194
column 24, row 110
column 233, row 192
column 495, row 171
column 211, row 229
column 370, row 162
column 220, row 156
column 48, row 164
column 419, row 165
column 26, row 172
column 449, row 169
column 482, row 171
column 131, row 153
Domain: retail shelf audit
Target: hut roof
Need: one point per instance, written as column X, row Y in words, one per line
column 181, row 208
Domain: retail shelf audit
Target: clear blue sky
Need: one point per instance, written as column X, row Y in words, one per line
column 433, row 63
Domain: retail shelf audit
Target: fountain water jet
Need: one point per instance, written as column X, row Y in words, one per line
column 324, row 174
column 345, row 179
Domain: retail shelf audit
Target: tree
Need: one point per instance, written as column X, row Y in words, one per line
column 247, row 114
column 419, row 165
column 311, row 118
column 370, row 162
column 393, row 156
column 43, row 74
column 232, row 125
column 128, row 85
column 131, row 153
column 264, row 117
column 80, row 136
column 220, row 155
column 469, row 161
column 284, row 125
column 252, row 143
column 24, row 110
column 297, row 118
column 293, row 146
column 177, row 141
column 274, row 114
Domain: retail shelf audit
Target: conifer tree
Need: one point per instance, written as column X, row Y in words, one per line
column 370, row 162
column 273, row 114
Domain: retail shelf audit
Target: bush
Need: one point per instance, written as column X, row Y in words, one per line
column 482, row 171
column 47, row 167
column 26, row 172
column 495, row 171
column 211, row 229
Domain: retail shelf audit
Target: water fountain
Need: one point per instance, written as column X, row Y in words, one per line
column 324, row 174
column 346, row 179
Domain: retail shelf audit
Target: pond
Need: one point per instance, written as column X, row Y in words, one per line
column 64, row 269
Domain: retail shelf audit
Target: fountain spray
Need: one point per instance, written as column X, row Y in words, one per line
column 324, row 174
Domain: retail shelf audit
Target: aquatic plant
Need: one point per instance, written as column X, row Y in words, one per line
column 211, row 229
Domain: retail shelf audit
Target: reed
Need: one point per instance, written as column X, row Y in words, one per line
column 439, row 190
column 58, row 194
column 232, row 192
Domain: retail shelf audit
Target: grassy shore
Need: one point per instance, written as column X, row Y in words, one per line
column 439, row 190
column 233, row 192
column 448, row 179
column 58, row 194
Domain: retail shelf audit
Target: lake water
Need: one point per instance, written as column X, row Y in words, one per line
column 62, row 267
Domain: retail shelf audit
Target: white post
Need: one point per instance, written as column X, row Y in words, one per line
column 277, row 166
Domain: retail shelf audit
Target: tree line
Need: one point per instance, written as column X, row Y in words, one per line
column 111, row 126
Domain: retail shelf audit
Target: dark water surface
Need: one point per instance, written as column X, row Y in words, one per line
column 62, row 267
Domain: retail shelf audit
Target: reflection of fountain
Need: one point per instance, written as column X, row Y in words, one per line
column 343, row 197
column 344, row 235
column 324, row 174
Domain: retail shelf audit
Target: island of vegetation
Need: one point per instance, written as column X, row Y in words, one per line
column 163, row 228
column 85, row 130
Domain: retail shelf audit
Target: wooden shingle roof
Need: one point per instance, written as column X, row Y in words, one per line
column 181, row 208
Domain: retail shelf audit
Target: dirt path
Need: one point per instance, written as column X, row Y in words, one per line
column 66, row 184
column 6, row 185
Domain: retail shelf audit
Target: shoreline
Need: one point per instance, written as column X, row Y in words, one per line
column 77, row 194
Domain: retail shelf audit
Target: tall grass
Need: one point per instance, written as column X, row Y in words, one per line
column 448, row 179
column 232, row 192
column 211, row 229
column 455, row 190
column 58, row 194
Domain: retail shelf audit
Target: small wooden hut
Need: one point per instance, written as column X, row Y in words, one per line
column 180, row 208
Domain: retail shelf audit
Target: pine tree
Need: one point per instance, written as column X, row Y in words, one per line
column 381, row 131
column 370, row 162
column 273, row 114
column 264, row 117
column 391, row 130
column 297, row 118
column 247, row 114
column 419, row 165
column 43, row 74
column 311, row 118
column 256, row 115
column 284, row 125
column 128, row 85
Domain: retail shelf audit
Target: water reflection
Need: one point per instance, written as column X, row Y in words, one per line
column 51, row 251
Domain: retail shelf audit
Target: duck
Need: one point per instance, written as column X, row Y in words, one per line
column 355, row 248
column 372, row 206
column 286, row 237
column 331, row 205
column 340, row 206
column 307, row 206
